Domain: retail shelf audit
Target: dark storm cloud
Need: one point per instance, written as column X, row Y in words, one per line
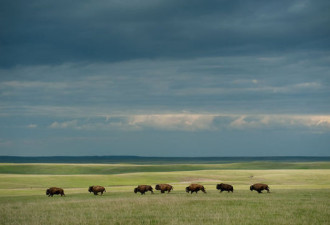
column 48, row 32
column 148, row 77
column 293, row 83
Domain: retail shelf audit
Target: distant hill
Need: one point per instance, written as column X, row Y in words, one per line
column 153, row 160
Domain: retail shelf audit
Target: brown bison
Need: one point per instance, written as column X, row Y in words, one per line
column 259, row 187
column 143, row 189
column 164, row 187
column 54, row 191
column 195, row 188
column 225, row 187
column 96, row 189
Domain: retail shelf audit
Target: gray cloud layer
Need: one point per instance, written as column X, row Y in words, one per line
column 45, row 32
column 290, row 83
column 166, row 78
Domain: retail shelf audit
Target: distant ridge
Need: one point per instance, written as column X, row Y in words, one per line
column 151, row 160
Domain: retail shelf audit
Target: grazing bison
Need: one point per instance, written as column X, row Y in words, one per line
column 259, row 187
column 225, row 187
column 164, row 187
column 143, row 189
column 195, row 188
column 96, row 189
column 54, row 191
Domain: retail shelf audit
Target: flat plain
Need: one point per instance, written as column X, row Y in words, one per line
column 300, row 194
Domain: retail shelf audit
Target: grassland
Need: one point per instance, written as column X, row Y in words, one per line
column 69, row 169
column 298, row 195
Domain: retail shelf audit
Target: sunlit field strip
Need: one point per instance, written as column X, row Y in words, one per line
column 75, row 169
column 14, row 184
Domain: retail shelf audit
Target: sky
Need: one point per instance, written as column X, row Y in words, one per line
column 165, row 78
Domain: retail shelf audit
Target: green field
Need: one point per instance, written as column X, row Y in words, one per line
column 300, row 194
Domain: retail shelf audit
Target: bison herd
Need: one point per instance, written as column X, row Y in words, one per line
column 162, row 188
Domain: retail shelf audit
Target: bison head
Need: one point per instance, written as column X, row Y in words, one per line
column 187, row 189
column 251, row 188
column 90, row 189
column 218, row 186
column 157, row 187
column 47, row 192
column 135, row 190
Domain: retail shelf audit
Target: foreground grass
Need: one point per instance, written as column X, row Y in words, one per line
column 240, row 207
column 298, row 196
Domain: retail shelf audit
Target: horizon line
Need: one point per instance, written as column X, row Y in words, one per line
column 137, row 156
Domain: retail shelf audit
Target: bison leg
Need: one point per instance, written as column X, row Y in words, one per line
column 162, row 191
column 221, row 190
column 95, row 193
column 259, row 191
column 101, row 192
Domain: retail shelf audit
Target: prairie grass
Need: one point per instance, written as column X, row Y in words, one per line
column 241, row 179
column 298, row 196
column 70, row 169
column 240, row 207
